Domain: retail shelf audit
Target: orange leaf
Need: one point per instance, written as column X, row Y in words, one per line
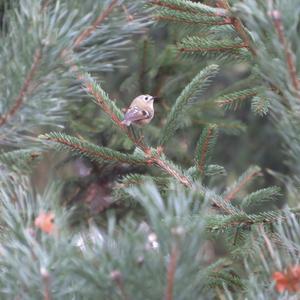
column 289, row 279
column 45, row 222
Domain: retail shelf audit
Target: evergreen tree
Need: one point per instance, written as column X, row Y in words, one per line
column 142, row 213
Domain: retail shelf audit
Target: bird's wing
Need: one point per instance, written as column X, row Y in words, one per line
column 135, row 114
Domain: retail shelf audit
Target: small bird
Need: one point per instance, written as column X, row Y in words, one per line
column 140, row 111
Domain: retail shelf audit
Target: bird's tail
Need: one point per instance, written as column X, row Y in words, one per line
column 126, row 122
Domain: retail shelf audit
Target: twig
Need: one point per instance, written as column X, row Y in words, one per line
column 224, row 102
column 214, row 48
column 88, row 31
column 217, row 23
column 239, row 27
column 129, row 17
column 174, row 7
column 220, row 12
column 267, row 241
column 24, row 89
column 201, row 164
column 44, row 4
column 171, row 269
column 117, row 277
column 276, row 17
column 46, row 281
column 171, row 171
column 233, row 193
column 102, row 103
column 90, row 152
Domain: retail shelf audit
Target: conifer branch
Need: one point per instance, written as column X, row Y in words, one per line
column 138, row 179
column 190, row 94
column 90, row 150
column 24, row 89
column 99, row 153
column 23, row 159
column 260, row 198
column 190, row 21
column 189, row 6
column 260, row 105
column 88, row 31
column 103, row 100
column 212, row 49
column 267, row 241
column 46, row 282
column 200, row 44
column 191, row 17
column 204, row 146
column 244, row 179
column 222, row 222
column 44, row 4
column 109, row 107
column 239, row 27
column 171, row 170
column 277, row 21
column 232, row 100
column 171, row 269
column 117, row 277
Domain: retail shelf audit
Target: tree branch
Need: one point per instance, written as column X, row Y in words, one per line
column 88, row 31
column 201, row 164
column 24, row 89
column 220, row 13
column 46, row 281
column 224, row 102
column 171, row 269
column 276, row 17
column 170, row 170
column 167, row 18
column 90, row 150
column 239, row 27
column 138, row 142
column 117, row 277
column 231, row 195
column 213, row 48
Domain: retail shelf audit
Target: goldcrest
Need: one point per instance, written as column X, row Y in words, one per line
column 140, row 111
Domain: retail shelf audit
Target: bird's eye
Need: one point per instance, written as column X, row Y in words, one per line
column 146, row 98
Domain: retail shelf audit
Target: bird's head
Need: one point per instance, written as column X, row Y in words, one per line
column 147, row 98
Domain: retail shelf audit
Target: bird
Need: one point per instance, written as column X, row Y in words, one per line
column 140, row 111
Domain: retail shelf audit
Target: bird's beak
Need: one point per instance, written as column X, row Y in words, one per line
column 155, row 98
